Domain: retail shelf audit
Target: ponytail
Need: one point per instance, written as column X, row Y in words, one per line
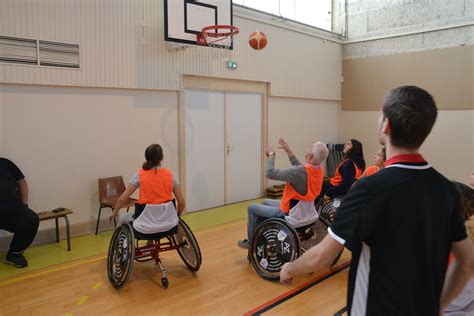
column 147, row 165
column 153, row 155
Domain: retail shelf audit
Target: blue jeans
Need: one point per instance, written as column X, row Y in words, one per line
column 257, row 213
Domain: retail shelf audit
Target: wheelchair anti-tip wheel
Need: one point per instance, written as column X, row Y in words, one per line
column 188, row 246
column 165, row 283
column 121, row 255
column 274, row 243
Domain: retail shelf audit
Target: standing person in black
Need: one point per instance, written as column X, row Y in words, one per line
column 15, row 216
column 400, row 224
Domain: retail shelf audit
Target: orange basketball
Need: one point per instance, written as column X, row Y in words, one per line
column 257, row 40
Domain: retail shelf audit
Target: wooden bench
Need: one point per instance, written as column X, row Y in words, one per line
column 43, row 216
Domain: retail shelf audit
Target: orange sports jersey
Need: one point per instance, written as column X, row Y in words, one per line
column 315, row 183
column 372, row 170
column 156, row 186
column 337, row 179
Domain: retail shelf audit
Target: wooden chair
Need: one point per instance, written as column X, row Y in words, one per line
column 110, row 190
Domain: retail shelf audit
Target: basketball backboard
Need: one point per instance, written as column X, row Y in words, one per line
column 185, row 18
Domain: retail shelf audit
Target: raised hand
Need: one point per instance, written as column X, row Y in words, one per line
column 269, row 150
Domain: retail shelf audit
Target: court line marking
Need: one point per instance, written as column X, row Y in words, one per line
column 298, row 290
column 82, row 300
column 62, row 267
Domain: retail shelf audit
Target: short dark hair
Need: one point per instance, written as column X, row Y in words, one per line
column 412, row 113
column 153, row 156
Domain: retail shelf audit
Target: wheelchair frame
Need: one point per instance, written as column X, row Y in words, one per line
column 275, row 242
column 124, row 249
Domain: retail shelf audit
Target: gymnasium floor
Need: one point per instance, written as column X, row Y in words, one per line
column 58, row 282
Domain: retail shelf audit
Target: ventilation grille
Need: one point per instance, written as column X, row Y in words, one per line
column 18, row 50
column 59, row 54
column 35, row 52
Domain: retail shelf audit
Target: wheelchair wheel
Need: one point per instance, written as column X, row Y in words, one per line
column 188, row 247
column 327, row 212
column 319, row 231
column 274, row 243
column 121, row 255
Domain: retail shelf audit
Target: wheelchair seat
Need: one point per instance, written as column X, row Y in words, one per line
column 156, row 236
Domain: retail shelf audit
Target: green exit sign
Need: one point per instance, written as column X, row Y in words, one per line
column 231, row 64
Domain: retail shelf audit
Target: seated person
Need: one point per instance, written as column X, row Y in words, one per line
column 379, row 160
column 348, row 171
column 157, row 185
column 303, row 183
column 15, row 215
column 463, row 304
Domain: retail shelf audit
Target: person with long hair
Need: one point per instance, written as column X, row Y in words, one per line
column 155, row 211
column 347, row 172
column 379, row 160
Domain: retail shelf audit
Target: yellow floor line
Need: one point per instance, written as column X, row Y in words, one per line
column 63, row 267
column 82, row 300
column 97, row 286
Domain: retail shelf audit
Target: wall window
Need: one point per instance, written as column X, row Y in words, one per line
column 316, row 13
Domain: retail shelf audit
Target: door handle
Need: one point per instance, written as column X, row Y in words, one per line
column 229, row 148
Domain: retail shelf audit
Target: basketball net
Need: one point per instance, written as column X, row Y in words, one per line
column 219, row 38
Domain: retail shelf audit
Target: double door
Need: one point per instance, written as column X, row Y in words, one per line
column 223, row 148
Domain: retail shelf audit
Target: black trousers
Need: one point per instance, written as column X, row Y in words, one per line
column 22, row 222
column 326, row 186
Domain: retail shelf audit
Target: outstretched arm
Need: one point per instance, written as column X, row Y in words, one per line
column 322, row 255
column 284, row 145
column 122, row 200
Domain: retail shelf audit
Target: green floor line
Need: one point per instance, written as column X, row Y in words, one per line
column 89, row 245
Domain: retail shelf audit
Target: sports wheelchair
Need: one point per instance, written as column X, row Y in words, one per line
column 124, row 248
column 275, row 242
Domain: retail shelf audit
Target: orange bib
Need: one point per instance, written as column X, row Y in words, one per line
column 156, row 186
column 337, row 179
column 315, row 183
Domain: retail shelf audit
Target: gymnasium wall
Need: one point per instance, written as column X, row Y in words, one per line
column 64, row 139
column 67, row 128
column 429, row 44
column 300, row 122
column 122, row 44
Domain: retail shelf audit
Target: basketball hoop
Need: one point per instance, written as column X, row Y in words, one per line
column 217, row 36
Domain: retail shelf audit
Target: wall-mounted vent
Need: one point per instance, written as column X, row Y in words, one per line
column 58, row 54
column 18, row 50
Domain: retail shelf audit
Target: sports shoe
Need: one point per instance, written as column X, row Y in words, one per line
column 244, row 244
column 18, row 260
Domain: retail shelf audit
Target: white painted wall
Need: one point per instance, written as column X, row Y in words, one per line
column 64, row 139
column 449, row 147
column 300, row 122
column 122, row 45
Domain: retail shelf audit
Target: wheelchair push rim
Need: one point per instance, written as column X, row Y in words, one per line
column 188, row 249
column 274, row 243
column 121, row 255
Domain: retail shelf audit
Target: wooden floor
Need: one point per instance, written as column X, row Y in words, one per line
column 225, row 285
